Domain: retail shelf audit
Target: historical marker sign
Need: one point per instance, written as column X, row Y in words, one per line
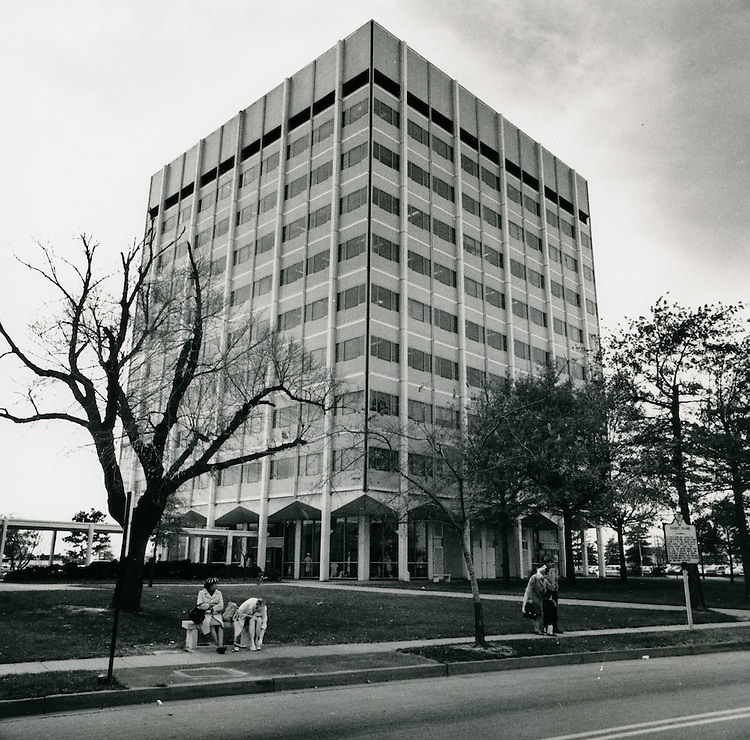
column 681, row 541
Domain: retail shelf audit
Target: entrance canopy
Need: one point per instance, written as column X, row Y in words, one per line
column 428, row 512
column 238, row 515
column 294, row 511
column 538, row 521
column 192, row 518
column 366, row 505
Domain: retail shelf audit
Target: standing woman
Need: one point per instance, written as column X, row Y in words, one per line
column 211, row 602
column 533, row 599
column 551, row 600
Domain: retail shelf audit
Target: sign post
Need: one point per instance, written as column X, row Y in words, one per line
column 681, row 542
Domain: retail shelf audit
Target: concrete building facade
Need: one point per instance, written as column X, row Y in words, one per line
column 417, row 243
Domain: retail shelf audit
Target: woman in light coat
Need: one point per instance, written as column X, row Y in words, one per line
column 533, row 598
column 211, row 602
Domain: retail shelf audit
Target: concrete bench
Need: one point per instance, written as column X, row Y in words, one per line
column 437, row 577
column 191, row 633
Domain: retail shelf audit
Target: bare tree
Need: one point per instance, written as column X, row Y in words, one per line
column 166, row 361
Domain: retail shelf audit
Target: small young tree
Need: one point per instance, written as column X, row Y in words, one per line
column 165, row 359
column 20, row 545
column 78, row 541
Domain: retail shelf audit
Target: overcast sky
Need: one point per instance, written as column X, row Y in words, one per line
column 647, row 100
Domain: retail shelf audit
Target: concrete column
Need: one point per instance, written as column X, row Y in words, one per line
column 325, row 546
column 297, row 547
column 90, row 544
column 363, row 549
column 600, row 551
column 52, row 548
column 230, row 544
column 3, row 538
column 584, row 553
column 403, row 551
column 519, row 544
column 204, row 547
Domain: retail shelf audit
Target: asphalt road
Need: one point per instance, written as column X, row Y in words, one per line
column 706, row 697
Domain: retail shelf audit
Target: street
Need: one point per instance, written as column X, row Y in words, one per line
column 702, row 697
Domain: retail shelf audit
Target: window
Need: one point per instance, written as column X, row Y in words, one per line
column 420, row 219
column 531, row 204
column 444, row 231
column 571, row 263
column 382, row 459
column 322, row 132
column 588, row 273
column 517, row 269
column 420, row 466
column 262, row 286
column 535, row 278
column 514, row 193
column 521, row 349
column 586, row 240
column 298, row 146
column 206, row 201
column 388, row 114
column 317, row 262
column 567, row 228
column 355, row 112
column 383, row 403
column 421, row 412
column 497, row 340
column 319, row 217
column 348, row 402
column 295, row 187
column 445, row 320
column 353, row 201
column 418, row 133
column 202, row 237
column 493, row 256
column 240, row 255
column 491, row 179
column 537, row 317
column 290, row 319
column 386, row 156
column 246, row 214
column 576, row 333
column 225, row 189
column 354, row 156
column 472, row 288
column 474, row 332
column 293, row 229
column 442, row 148
column 515, row 231
column 420, row 176
column 239, row 295
column 475, row 377
column 313, row 463
column 419, row 311
column 229, row 477
column 494, row 297
column 519, row 308
column 557, row 289
column 385, row 298
column 352, row 247
column 446, row 368
column 572, row 297
column 386, row 201
column 552, row 218
column 218, row 266
column 249, row 175
column 559, row 327
column 540, row 356
column 316, row 310
column 351, row 297
column 283, row 467
column 443, row 189
column 350, row 349
column 492, row 217
column 472, row 246
column 169, row 223
column 471, row 205
column 469, row 165
column 533, row 240
column 221, row 227
column 446, row 417
column 385, row 248
column 291, row 273
column 419, row 360
column 590, row 307
column 251, row 472
column 321, row 173
column 267, row 202
column 384, row 349
column 270, row 163
column 185, row 214
column 418, row 263
column 264, row 243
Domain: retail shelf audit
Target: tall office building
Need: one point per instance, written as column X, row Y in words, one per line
column 420, row 245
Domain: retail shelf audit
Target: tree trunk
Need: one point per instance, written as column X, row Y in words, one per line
column 130, row 572
column 680, row 483
column 741, row 522
column 621, row 553
column 479, row 637
column 570, row 568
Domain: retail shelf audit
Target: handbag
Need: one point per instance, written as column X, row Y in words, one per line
column 528, row 611
column 197, row 615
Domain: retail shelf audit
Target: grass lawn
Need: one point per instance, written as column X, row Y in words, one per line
column 76, row 623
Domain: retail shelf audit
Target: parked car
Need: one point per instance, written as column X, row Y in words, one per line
column 612, row 570
column 674, row 570
column 593, row 570
column 646, row 570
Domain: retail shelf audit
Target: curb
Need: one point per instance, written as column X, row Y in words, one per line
column 106, row 699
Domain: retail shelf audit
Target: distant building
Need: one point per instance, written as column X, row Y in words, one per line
column 420, row 244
